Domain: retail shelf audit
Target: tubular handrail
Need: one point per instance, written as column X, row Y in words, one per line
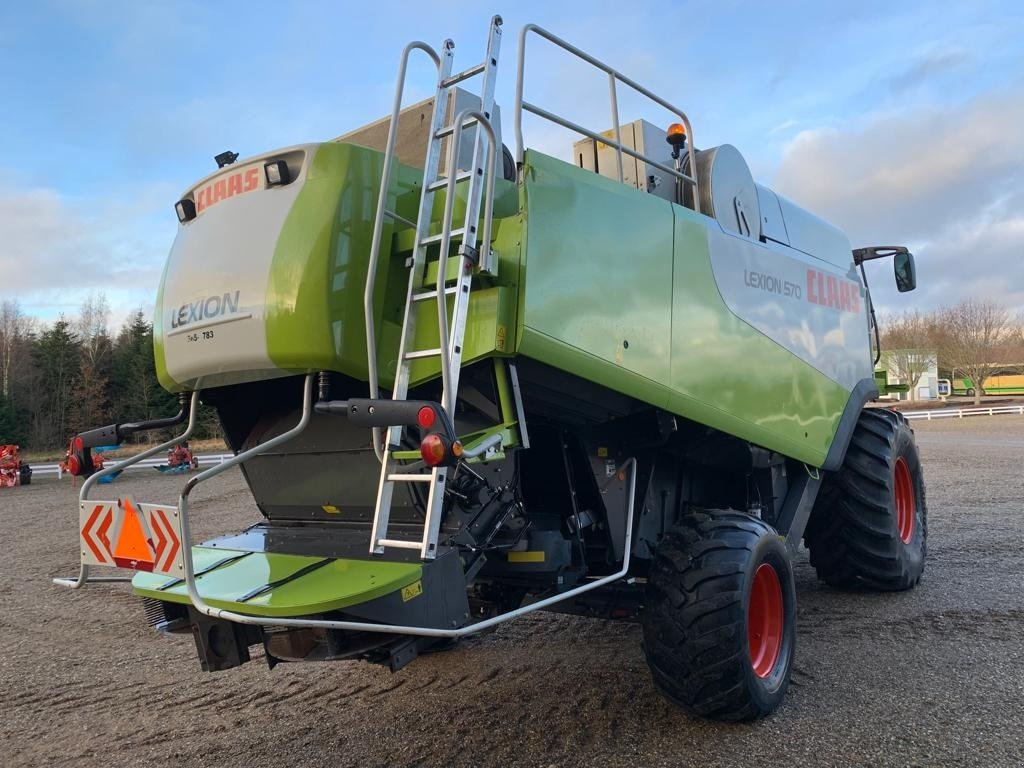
column 378, row 221
column 238, row 458
column 614, row 77
column 481, row 121
column 83, row 494
column 360, row 626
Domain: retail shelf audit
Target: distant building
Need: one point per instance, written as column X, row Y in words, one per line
column 893, row 362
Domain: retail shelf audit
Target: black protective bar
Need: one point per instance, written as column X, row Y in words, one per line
column 796, row 509
column 378, row 412
column 113, row 434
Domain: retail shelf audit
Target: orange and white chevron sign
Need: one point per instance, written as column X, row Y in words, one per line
column 126, row 534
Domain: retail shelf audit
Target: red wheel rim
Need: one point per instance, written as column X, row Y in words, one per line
column 765, row 620
column 903, row 495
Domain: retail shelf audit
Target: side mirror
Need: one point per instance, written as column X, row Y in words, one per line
column 906, row 273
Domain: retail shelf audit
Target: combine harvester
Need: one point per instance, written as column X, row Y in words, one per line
column 464, row 385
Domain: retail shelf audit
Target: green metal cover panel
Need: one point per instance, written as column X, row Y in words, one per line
column 315, row 286
column 730, row 376
column 306, row 299
column 312, row 312
column 619, row 289
column 598, row 271
column 493, row 302
column 338, row 584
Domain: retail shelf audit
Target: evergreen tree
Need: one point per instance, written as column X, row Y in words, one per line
column 13, row 423
column 57, row 357
column 137, row 395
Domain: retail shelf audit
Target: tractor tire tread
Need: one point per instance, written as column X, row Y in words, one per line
column 850, row 534
column 693, row 617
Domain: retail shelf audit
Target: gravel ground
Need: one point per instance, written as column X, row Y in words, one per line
column 926, row 678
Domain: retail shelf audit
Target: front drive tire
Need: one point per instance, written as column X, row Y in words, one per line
column 869, row 526
column 719, row 620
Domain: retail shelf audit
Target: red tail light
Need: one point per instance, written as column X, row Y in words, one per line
column 426, row 417
column 436, row 451
column 433, row 449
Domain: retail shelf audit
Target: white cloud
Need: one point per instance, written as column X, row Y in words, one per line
column 948, row 182
column 55, row 250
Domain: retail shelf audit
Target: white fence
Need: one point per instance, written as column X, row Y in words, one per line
column 959, row 413
column 204, row 459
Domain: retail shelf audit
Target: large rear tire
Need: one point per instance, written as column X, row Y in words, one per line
column 869, row 526
column 719, row 616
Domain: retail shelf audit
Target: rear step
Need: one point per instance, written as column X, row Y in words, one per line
column 279, row 585
column 276, row 571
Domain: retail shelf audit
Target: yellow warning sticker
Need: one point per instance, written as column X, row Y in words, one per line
column 602, row 453
column 499, row 337
column 330, row 509
column 413, row 590
column 527, row 556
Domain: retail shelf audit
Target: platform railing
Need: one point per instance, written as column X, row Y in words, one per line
column 83, row 495
column 190, row 576
column 614, row 78
column 200, row 605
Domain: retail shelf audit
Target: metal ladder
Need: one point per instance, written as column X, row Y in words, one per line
column 450, row 344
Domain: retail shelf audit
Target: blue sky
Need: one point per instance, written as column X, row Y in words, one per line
column 899, row 122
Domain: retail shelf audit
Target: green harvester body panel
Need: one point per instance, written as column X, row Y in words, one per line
column 619, row 289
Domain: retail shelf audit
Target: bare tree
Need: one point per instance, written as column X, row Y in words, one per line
column 973, row 336
column 908, row 344
column 14, row 328
column 1015, row 354
column 92, row 326
column 88, row 394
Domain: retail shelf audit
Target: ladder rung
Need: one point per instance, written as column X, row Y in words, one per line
column 442, row 183
column 418, row 353
column 400, row 478
column 448, row 130
column 430, row 239
column 399, row 544
column 433, row 294
column 464, row 75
